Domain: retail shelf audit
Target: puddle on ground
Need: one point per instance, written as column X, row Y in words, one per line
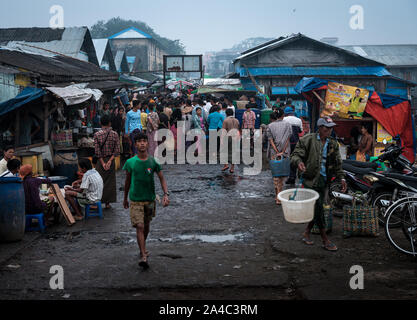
column 217, row 238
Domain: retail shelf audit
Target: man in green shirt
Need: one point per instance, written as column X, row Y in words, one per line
column 140, row 186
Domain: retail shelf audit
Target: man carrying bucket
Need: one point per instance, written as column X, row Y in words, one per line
column 317, row 156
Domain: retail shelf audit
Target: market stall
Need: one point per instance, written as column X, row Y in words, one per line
column 389, row 116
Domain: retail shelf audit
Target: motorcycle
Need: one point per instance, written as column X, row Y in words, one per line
column 380, row 189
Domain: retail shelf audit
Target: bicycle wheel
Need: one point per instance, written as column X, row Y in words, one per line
column 382, row 202
column 404, row 239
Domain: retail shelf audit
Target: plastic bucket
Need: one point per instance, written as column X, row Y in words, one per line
column 12, row 215
column 301, row 209
column 280, row 168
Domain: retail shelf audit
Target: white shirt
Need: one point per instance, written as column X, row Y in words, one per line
column 3, row 165
column 7, row 174
column 92, row 184
column 207, row 107
column 294, row 121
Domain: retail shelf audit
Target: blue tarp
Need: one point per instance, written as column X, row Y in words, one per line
column 307, row 84
column 27, row 95
column 389, row 101
column 378, row 71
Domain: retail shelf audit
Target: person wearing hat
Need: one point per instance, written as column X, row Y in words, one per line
column 297, row 128
column 33, row 202
column 317, row 157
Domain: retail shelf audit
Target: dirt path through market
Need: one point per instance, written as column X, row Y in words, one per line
column 222, row 237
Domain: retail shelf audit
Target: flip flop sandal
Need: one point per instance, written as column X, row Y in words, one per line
column 308, row 241
column 224, row 169
column 232, row 171
column 144, row 264
column 329, row 247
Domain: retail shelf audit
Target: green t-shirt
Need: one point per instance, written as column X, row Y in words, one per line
column 142, row 186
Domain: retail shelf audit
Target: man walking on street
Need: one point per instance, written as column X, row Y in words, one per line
column 317, row 156
column 133, row 124
column 140, row 187
column 297, row 128
column 107, row 148
column 229, row 124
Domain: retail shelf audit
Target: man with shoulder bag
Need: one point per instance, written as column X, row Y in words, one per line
column 107, row 148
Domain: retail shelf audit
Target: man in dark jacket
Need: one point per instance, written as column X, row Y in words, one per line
column 317, row 156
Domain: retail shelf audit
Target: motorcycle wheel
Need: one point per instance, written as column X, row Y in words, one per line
column 336, row 204
column 382, row 209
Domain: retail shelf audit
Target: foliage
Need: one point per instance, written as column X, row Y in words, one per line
column 104, row 29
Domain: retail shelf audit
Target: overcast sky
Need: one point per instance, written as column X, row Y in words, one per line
column 212, row 25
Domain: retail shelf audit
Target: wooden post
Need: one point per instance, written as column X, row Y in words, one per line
column 17, row 129
column 46, row 121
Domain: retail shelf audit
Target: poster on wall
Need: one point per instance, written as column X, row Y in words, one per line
column 345, row 101
column 382, row 134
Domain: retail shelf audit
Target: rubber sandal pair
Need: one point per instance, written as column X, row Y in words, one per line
column 308, row 241
column 329, row 247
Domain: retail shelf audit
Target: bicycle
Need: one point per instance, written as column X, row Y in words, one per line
column 401, row 225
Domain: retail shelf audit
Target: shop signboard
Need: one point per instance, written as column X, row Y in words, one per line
column 382, row 134
column 345, row 101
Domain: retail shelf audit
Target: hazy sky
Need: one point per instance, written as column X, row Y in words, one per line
column 213, row 25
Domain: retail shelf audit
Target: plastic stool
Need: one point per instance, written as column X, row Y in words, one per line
column 94, row 212
column 41, row 222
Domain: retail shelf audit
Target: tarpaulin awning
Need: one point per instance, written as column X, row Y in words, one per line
column 76, row 94
column 27, row 95
column 378, row 71
column 393, row 113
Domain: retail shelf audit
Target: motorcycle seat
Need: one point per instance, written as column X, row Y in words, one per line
column 401, row 177
column 356, row 170
column 361, row 164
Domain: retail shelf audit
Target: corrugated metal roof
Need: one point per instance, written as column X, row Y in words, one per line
column 284, row 40
column 378, row 71
column 266, row 46
column 100, row 45
column 55, row 69
column 69, row 43
column 30, row 34
column 8, row 70
column 391, row 55
column 118, row 58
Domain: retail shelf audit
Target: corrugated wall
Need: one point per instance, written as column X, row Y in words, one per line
column 8, row 88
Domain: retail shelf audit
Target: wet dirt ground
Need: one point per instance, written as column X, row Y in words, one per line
column 222, row 237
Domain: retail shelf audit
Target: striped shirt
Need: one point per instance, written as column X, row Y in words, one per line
column 92, row 185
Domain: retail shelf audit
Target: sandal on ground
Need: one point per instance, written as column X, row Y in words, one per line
column 232, row 171
column 329, row 247
column 78, row 218
column 144, row 263
column 278, row 202
column 225, row 168
column 307, row 241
